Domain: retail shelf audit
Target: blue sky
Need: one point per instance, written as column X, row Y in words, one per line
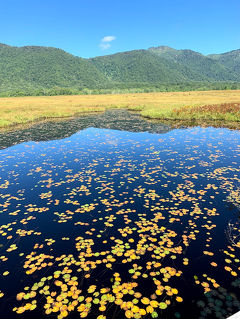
column 90, row 28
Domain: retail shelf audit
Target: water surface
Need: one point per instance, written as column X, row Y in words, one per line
column 113, row 216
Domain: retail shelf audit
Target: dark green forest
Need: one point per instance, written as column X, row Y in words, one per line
column 37, row 71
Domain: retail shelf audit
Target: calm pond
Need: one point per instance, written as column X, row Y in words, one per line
column 113, row 216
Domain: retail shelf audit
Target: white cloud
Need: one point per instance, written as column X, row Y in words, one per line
column 106, row 42
column 108, row 38
column 105, row 46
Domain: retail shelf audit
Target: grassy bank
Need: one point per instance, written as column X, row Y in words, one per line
column 204, row 105
column 226, row 112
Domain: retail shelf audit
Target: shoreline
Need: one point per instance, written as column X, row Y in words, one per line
column 174, row 123
column 192, row 108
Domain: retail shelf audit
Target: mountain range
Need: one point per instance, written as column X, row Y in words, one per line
column 36, row 67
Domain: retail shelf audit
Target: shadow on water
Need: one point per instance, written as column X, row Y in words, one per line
column 121, row 120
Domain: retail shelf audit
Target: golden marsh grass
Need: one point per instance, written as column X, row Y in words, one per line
column 21, row 110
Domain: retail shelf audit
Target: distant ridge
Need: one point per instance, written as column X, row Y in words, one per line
column 38, row 67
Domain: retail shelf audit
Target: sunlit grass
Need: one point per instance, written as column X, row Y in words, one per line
column 169, row 105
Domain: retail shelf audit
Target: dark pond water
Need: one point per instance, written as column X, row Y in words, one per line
column 111, row 216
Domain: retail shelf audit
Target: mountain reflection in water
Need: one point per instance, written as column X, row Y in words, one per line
column 51, row 130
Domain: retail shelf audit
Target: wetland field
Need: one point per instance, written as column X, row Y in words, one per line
column 191, row 107
column 112, row 215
